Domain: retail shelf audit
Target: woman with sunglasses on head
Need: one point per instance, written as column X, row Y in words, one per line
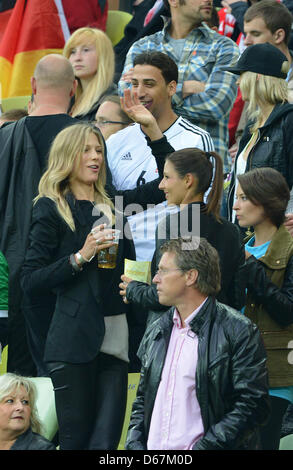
column 261, row 200
column 86, row 345
column 91, row 54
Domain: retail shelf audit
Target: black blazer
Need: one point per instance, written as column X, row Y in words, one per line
column 80, row 299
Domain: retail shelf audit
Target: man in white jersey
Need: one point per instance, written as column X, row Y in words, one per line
column 155, row 77
column 130, row 160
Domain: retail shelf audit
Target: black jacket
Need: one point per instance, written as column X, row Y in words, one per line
column 231, row 381
column 30, row 440
column 223, row 236
column 273, row 148
column 20, row 174
column 81, row 299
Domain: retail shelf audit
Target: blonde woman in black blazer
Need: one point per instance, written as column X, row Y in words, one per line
column 86, row 349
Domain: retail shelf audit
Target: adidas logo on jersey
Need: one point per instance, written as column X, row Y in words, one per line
column 127, row 156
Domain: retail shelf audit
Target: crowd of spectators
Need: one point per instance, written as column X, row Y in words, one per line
column 183, row 129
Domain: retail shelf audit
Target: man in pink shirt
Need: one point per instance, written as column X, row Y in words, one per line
column 204, row 381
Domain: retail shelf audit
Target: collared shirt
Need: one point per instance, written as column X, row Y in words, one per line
column 176, row 422
column 204, row 55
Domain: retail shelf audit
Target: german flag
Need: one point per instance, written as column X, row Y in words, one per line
column 35, row 28
column 6, row 7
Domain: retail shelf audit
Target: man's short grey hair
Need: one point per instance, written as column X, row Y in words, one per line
column 195, row 253
column 11, row 382
column 54, row 71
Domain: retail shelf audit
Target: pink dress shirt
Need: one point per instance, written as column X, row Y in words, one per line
column 176, row 422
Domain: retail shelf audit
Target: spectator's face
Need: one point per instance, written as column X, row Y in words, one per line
column 196, row 10
column 152, row 90
column 84, row 61
column 109, row 111
column 15, row 413
column 248, row 214
column 87, row 172
column 244, row 94
column 173, row 186
column 256, row 32
column 170, row 281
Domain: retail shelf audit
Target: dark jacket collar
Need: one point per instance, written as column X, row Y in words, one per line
column 203, row 206
column 23, row 441
column 280, row 110
column 76, row 210
column 165, row 323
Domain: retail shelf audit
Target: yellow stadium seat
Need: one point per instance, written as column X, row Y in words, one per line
column 116, row 22
column 3, row 361
column 15, row 102
column 133, row 381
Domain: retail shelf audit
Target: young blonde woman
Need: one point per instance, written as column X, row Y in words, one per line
column 267, row 139
column 86, row 349
column 91, row 54
column 261, row 200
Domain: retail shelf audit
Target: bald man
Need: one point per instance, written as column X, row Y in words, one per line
column 24, row 148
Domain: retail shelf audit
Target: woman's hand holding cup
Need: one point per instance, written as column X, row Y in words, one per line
column 98, row 239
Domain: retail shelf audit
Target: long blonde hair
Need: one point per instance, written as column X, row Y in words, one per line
column 103, row 77
column 261, row 89
column 65, row 153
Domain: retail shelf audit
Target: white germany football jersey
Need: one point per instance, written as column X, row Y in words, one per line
column 130, row 158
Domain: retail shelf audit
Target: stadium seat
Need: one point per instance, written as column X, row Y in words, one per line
column 46, row 406
column 15, row 102
column 133, row 380
column 116, row 22
column 3, row 361
column 286, row 442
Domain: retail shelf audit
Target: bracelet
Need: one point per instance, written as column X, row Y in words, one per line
column 80, row 258
column 92, row 257
column 74, row 264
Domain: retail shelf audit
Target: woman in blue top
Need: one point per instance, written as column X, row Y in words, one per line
column 261, row 200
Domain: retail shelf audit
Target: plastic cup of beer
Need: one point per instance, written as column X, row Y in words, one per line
column 107, row 257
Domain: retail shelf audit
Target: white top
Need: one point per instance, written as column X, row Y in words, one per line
column 130, row 158
column 115, row 341
column 143, row 228
column 131, row 162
